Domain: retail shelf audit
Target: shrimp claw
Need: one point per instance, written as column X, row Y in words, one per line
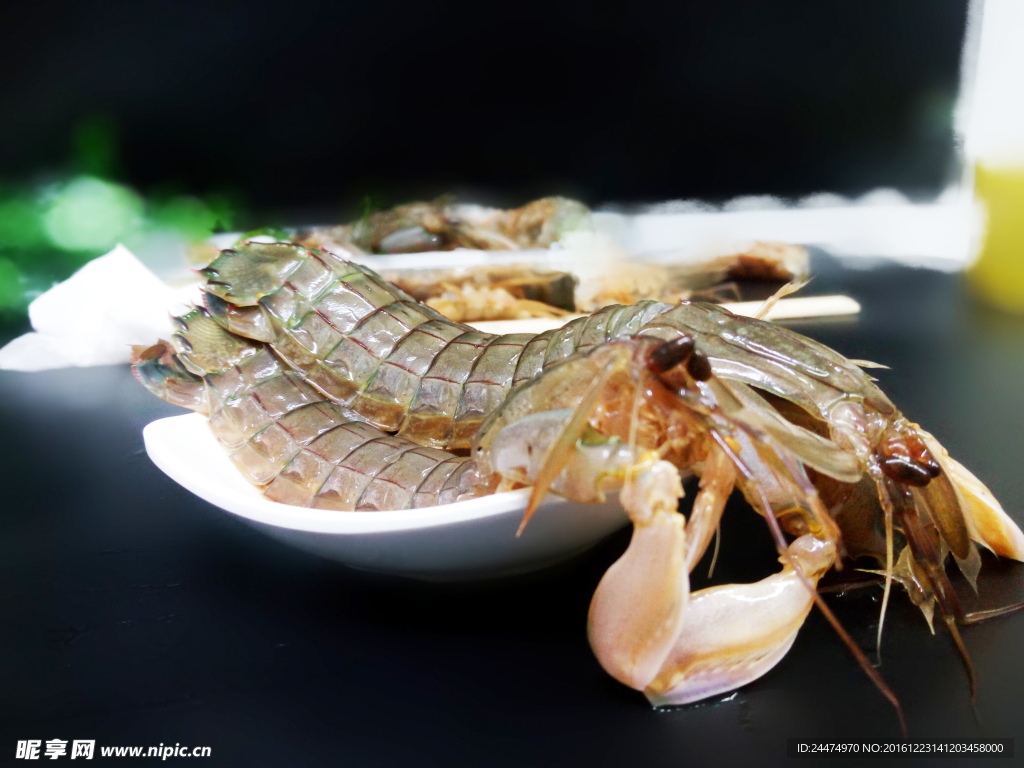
column 639, row 608
column 735, row 633
column 649, row 632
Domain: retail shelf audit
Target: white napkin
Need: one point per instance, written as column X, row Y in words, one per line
column 94, row 316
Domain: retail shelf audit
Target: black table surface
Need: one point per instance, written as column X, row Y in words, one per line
column 133, row 613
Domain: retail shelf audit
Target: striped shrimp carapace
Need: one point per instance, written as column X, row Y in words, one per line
column 363, row 343
column 287, row 438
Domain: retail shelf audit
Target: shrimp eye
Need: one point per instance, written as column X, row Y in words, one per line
column 670, row 354
column 699, row 366
column 908, row 460
column 903, row 471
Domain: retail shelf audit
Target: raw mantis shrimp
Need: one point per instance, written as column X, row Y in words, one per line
column 443, row 226
column 322, row 379
column 393, row 362
column 287, row 438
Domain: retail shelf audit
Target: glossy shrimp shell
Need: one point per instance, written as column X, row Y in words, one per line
column 395, row 363
column 286, row 438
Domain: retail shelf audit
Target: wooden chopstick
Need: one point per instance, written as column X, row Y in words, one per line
column 786, row 309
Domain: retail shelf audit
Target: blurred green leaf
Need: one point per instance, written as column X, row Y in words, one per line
column 91, row 215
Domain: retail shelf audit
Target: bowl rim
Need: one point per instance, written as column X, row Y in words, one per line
column 167, row 441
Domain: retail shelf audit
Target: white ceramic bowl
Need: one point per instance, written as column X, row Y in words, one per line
column 466, row 540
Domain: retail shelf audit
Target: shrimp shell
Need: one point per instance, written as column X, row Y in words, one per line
column 286, row 438
column 395, row 363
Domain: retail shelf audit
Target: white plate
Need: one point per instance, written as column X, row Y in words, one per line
column 466, row 540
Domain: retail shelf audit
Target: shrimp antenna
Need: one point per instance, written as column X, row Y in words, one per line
column 714, row 555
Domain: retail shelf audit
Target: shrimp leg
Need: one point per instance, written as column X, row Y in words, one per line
column 716, row 483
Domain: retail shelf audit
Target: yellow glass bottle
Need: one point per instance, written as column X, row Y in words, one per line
column 998, row 274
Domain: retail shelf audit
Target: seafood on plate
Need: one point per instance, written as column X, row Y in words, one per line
column 586, row 281
column 299, row 353
column 444, row 226
column 507, row 291
column 288, row 439
column 716, row 279
column 490, row 291
column 397, row 364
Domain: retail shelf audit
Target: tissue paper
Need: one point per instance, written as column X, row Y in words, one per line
column 94, row 316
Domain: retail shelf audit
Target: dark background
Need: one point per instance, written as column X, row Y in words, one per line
column 306, row 106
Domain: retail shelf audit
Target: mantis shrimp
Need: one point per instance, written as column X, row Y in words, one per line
column 331, row 388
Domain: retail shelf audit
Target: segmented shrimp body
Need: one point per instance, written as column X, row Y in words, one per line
column 286, row 438
column 393, row 362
